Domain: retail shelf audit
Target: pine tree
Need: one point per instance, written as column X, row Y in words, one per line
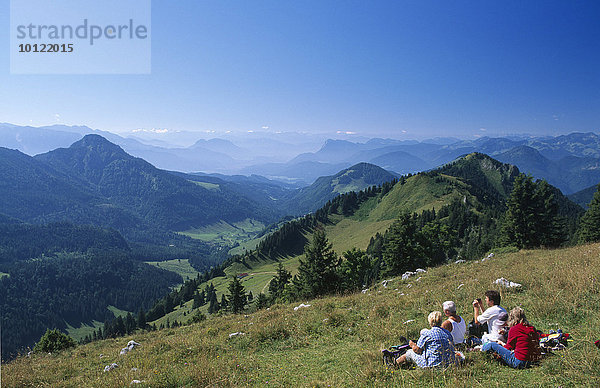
column 224, row 305
column 317, row 272
column 237, row 296
column 551, row 229
column 262, row 301
column 120, row 328
column 278, row 283
column 355, row 269
column 197, row 300
column 589, row 227
column 519, row 219
column 129, row 324
column 531, row 219
column 141, row 319
column 213, row 304
column 403, row 249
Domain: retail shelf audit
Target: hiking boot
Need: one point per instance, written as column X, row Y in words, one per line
column 388, row 357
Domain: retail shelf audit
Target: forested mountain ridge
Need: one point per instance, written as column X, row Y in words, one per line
column 156, row 196
column 20, row 241
column 583, row 197
column 96, row 182
column 355, row 178
column 73, row 288
column 32, row 190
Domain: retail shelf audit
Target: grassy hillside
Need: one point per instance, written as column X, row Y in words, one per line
column 226, row 234
column 417, row 193
column 179, row 266
column 336, row 341
column 355, row 178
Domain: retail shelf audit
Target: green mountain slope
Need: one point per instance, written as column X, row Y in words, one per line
column 156, row 196
column 477, row 182
column 34, row 191
column 355, row 178
column 337, row 340
column 584, row 197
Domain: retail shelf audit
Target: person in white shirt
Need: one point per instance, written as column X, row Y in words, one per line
column 490, row 315
column 455, row 324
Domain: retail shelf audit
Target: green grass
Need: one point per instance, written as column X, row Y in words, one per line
column 226, row 234
column 244, row 246
column 118, row 312
column 209, row 186
column 88, row 328
column 83, row 330
column 420, row 192
column 179, row 266
column 337, row 341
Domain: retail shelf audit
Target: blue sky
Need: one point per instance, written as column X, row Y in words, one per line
column 401, row 69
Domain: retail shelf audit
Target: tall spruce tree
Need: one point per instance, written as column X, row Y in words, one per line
column 224, row 302
column 531, row 219
column 317, row 272
column 551, row 229
column 403, row 249
column 518, row 227
column 213, row 303
column 589, row 227
column 355, row 269
column 141, row 319
column 279, row 281
column 237, row 296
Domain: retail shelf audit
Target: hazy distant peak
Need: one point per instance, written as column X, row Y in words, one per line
column 579, row 136
column 331, row 143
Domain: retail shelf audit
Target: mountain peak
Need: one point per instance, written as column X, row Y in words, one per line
column 95, row 141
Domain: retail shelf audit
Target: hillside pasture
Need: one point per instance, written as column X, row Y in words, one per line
column 337, row 340
column 179, row 266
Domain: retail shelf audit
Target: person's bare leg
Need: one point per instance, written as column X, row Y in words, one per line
column 401, row 360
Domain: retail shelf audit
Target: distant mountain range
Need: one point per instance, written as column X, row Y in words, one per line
column 570, row 162
column 96, row 182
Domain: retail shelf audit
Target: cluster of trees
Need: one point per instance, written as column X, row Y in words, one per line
column 74, row 287
column 19, row 241
column 531, row 219
column 589, row 229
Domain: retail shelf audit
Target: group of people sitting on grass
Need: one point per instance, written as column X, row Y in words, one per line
column 509, row 336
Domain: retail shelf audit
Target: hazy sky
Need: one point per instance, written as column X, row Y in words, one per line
column 402, row 69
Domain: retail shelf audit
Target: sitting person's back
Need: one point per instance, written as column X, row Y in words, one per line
column 523, row 340
column 437, row 348
column 522, row 346
column 434, row 348
column 455, row 324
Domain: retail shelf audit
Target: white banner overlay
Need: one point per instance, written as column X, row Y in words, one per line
column 80, row 37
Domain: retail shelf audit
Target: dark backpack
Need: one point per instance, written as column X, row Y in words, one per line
column 477, row 329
